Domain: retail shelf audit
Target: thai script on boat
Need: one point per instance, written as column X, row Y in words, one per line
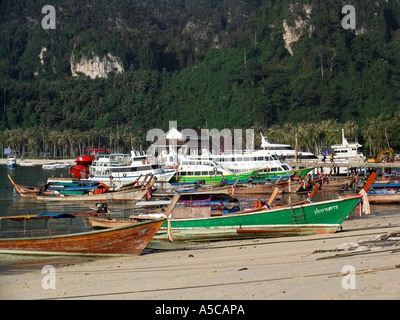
column 316, row 211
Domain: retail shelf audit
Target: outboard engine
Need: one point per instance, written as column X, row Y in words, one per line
column 102, row 207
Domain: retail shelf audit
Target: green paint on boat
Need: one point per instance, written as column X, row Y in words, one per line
column 311, row 218
column 214, row 178
column 285, row 174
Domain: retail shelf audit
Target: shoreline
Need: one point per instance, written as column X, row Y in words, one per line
column 40, row 161
column 307, row 267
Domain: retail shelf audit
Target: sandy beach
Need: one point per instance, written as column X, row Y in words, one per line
column 309, row 267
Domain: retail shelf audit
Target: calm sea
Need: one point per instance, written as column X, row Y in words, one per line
column 12, row 205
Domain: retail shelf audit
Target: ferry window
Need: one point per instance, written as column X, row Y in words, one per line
column 197, row 173
column 204, row 173
column 183, row 173
column 274, row 169
column 260, row 158
column 219, row 173
column 239, row 159
column 184, row 163
column 285, row 167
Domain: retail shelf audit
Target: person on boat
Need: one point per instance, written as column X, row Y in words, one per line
column 331, row 157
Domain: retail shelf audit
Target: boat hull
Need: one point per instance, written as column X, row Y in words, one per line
column 304, row 219
column 299, row 173
column 214, row 179
column 79, row 171
column 388, row 198
column 135, row 195
column 128, row 240
column 120, row 179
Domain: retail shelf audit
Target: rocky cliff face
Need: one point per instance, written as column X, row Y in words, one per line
column 294, row 31
column 96, row 66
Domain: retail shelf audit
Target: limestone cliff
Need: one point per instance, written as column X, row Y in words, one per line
column 295, row 30
column 96, row 66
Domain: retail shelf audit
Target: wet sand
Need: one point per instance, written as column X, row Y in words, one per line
column 307, row 267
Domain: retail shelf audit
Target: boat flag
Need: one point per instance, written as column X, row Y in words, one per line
column 365, row 203
column 360, row 208
column 149, row 192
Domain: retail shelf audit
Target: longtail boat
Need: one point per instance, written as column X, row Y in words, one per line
column 284, row 186
column 126, row 240
column 303, row 218
column 83, row 191
column 380, row 193
column 25, row 191
column 384, row 198
column 123, row 195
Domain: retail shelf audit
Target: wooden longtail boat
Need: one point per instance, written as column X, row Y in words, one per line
column 131, row 239
column 124, row 195
column 384, row 198
column 25, row 191
column 133, row 193
column 384, row 193
column 284, row 186
column 303, row 219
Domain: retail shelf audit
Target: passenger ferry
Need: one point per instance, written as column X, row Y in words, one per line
column 347, row 152
column 123, row 169
column 254, row 164
column 287, row 152
column 190, row 170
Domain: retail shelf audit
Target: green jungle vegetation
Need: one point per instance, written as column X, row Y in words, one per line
column 203, row 63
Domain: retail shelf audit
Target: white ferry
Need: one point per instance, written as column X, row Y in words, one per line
column 123, row 169
column 286, row 151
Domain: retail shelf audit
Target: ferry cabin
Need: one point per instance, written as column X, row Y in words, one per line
column 242, row 162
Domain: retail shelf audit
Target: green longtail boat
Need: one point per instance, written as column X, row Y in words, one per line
column 292, row 220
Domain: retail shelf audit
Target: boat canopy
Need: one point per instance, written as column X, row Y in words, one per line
column 40, row 216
